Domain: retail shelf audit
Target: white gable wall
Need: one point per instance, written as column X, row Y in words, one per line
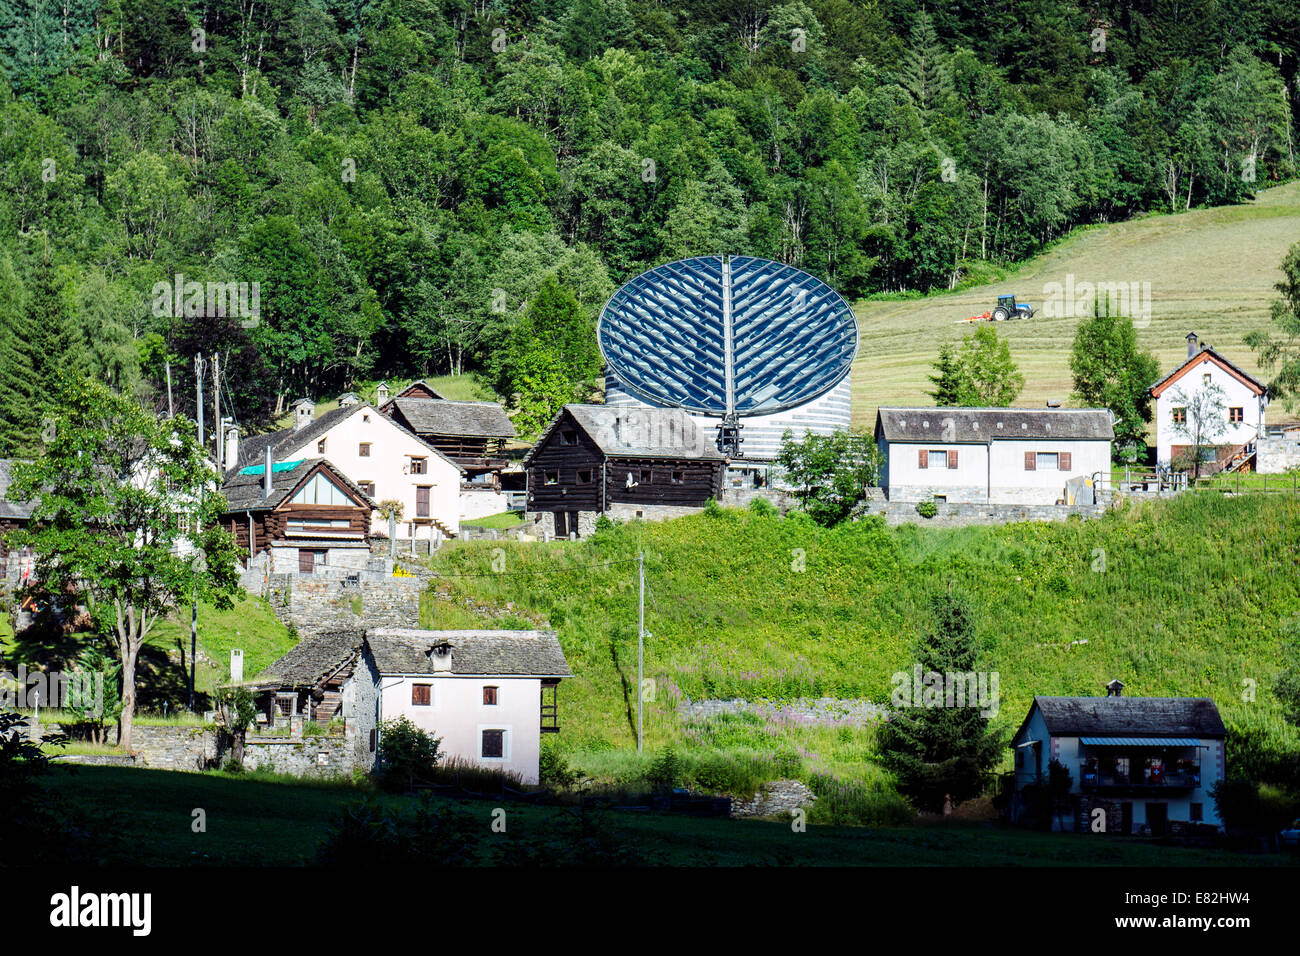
column 1236, row 394
column 387, row 467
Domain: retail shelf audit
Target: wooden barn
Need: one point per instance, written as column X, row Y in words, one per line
column 472, row 434
column 306, row 516
column 625, row 461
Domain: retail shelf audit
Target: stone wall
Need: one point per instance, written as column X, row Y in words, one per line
column 1276, row 454
column 958, row 514
column 809, row 710
column 780, row 798
column 312, row 602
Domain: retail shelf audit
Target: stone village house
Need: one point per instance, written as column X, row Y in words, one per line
column 1148, row 762
column 487, row 695
column 1019, row 456
column 385, row 461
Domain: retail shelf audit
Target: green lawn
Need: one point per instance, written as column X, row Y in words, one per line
column 505, row 519
column 1210, row 271
column 249, row 625
column 145, row 817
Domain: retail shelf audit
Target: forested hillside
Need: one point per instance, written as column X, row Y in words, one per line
column 400, row 177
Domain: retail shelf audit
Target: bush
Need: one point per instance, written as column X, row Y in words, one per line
column 406, row 753
column 927, row 508
column 553, row 769
column 367, row 835
column 666, row 772
column 763, row 507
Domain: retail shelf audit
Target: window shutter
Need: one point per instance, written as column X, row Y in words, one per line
column 1065, row 461
column 952, row 458
column 1029, row 461
column 921, row 458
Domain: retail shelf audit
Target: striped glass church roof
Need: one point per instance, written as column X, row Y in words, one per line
column 738, row 334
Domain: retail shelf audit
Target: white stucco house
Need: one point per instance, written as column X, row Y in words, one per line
column 383, row 459
column 993, row 455
column 1244, row 397
column 1147, row 764
column 488, row 695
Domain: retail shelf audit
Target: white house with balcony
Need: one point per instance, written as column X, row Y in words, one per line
column 1234, row 428
column 387, row 462
column 487, row 695
column 1020, row 456
column 1136, row 764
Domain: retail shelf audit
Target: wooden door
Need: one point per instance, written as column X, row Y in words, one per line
column 561, row 524
column 308, row 559
column 422, row 501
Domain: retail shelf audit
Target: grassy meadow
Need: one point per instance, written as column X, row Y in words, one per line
column 1211, row 271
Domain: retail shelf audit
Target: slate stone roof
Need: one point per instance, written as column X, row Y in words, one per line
column 437, row 416
column 252, row 450
column 633, row 431
column 16, row 510
column 315, row 658
column 245, row 492
column 1131, row 716
column 504, row 653
column 979, row 425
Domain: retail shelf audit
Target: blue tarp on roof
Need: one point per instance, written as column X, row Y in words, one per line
column 276, row 467
column 1139, row 741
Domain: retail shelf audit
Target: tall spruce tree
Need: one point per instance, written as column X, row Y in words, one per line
column 946, row 378
column 936, row 750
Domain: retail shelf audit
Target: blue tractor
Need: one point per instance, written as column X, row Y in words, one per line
column 1007, row 308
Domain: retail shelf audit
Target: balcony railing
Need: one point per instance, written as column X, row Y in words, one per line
column 1182, row 778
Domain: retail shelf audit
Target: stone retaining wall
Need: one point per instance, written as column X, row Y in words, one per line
column 780, row 798
column 313, row 603
column 959, row 514
column 811, row 710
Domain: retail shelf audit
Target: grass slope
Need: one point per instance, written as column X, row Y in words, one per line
column 1197, row 595
column 1211, row 271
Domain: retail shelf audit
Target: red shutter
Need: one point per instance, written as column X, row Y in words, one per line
column 1065, row 461
column 952, row 459
column 921, row 459
column 1029, row 461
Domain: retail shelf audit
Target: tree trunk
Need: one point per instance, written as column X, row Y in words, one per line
column 130, row 652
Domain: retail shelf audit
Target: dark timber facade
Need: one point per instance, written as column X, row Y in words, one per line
column 631, row 462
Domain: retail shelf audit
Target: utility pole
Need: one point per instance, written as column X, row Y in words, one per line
column 640, row 647
column 216, row 406
column 171, row 409
column 194, row 598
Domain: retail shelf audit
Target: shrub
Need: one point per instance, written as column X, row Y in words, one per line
column 367, row 835
column 553, row 768
column 927, row 508
column 666, row 771
column 763, row 507
column 406, row 753
column 713, row 509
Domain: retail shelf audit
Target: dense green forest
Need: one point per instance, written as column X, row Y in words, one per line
column 401, row 178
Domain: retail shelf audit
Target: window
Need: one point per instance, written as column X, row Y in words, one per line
column 1205, row 379
column 940, row 499
column 1198, row 812
column 494, row 743
column 321, row 491
column 938, row 458
column 584, row 477
column 489, row 696
column 552, row 477
column 304, row 525
column 679, row 477
column 1046, row 461
column 320, row 447
column 1236, row 415
column 421, row 695
column 568, row 437
column 1179, row 416
column 365, row 418
column 419, row 466
column 183, row 523
column 364, row 449
column 647, row 476
column 368, row 487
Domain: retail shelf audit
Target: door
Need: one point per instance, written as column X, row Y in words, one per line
column 309, row 559
column 573, row 523
column 1126, row 818
column 422, row 501
column 561, row 524
column 1158, row 818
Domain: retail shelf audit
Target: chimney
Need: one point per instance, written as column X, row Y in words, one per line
column 349, row 398
column 232, row 446
column 440, row 658
column 304, row 413
column 266, row 474
column 1191, row 344
column 1115, row 688
column 381, row 393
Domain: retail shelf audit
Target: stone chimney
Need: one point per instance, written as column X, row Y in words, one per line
column 232, row 446
column 1191, row 344
column 381, row 393
column 349, row 398
column 1115, row 688
column 440, row 658
column 304, row 413
column 267, row 484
